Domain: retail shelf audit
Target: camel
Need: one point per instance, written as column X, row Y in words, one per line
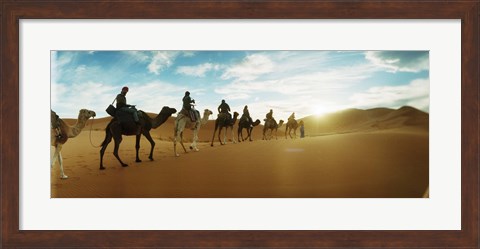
column 66, row 132
column 271, row 125
column 246, row 124
column 182, row 122
column 291, row 125
column 220, row 123
column 115, row 130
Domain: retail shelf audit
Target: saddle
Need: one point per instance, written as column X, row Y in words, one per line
column 61, row 135
column 126, row 121
column 242, row 120
column 193, row 114
column 269, row 120
column 225, row 116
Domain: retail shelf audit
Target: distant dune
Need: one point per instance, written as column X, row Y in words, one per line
column 350, row 120
column 355, row 120
column 377, row 152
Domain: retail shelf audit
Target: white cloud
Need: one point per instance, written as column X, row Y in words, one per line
column 402, row 61
column 80, row 69
column 161, row 60
column 237, row 96
column 67, row 100
column 96, row 96
column 250, row 68
column 415, row 94
column 57, row 63
column 152, row 96
column 325, row 82
column 188, row 53
column 139, row 56
column 199, row 70
column 57, row 92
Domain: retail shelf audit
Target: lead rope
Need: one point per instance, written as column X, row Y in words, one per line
column 91, row 127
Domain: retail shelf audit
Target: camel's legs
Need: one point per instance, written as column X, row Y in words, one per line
column 58, row 156
column 215, row 131
column 219, row 133
column 60, row 161
column 233, row 137
column 54, row 158
column 175, row 145
column 224, row 135
column 240, row 134
column 178, row 137
column 249, row 131
column 105, row 143
column 193, row 146
column 137, row 147
column 152, row 144
column 117, row 141
column 181, row 142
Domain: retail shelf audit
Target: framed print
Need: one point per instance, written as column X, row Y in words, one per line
column 76, row 57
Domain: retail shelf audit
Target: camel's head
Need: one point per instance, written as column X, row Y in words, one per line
column 257, row 122
column 86, row 114
column 235, row 114
column 280, row 122
column 207, row 112
column 167, row 110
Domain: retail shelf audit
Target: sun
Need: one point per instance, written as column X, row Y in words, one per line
column 319, row 110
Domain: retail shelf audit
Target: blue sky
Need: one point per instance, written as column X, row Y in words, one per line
column 304, row 82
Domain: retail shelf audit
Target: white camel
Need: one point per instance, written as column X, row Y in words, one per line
column 59, row 137
column 181, row 122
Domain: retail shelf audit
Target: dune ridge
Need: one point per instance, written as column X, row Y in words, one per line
column 345, row 121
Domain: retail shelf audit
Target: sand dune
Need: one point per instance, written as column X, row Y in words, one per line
column 355, row 120
column 355, row 153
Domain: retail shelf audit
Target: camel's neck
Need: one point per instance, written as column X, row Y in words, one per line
column 234, row 120
column 204, row 120
column 74, row 130
column 159, row 120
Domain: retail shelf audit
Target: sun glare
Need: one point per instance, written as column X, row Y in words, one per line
column 319, row 110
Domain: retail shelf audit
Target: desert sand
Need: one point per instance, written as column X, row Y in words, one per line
column 376, row 153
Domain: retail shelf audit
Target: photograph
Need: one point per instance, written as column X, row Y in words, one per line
column 239, row 124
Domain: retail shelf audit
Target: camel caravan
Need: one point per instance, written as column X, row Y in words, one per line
column 128, row 121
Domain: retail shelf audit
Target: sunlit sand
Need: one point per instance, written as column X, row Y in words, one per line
column 354, row 153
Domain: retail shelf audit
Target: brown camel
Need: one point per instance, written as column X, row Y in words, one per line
column 246, row 124
column 115, row 130
column 271, row 124
column 66, row 132
column 222, row 122
column 291, row 125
